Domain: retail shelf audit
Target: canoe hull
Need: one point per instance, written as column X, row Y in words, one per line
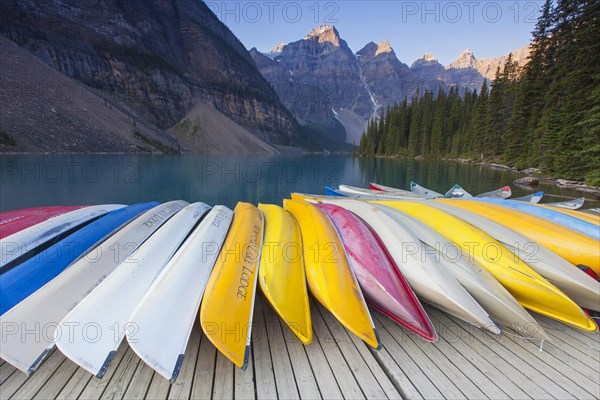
column 228, row 301
column 530, row 289
column 165, row 316
column 281, row 273
column 330, row 277
column 12, row 222
column 112, row 303
column 49, row 305
column 383, row 286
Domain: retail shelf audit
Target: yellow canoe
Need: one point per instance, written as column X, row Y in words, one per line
column 228, row 303
column 330, row 278
column 530, row 289
column 591, row 218
column 281, row 271
column 572, row 246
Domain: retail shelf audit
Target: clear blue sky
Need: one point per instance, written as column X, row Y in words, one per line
column 443, row 28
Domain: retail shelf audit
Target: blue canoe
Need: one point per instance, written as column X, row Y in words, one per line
column 18, row 283
column 565, row 220
column 329, row 191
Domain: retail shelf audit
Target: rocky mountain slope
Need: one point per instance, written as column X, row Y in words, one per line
column 46, row 111
column 155, row 60
column 353, row 88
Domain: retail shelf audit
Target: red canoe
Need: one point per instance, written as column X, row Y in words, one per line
column 385, row 289
column 373, row 187
column 17, row 220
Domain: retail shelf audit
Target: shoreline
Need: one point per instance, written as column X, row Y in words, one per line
column 534, row 173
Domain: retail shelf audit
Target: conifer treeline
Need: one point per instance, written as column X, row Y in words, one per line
column 545, row 114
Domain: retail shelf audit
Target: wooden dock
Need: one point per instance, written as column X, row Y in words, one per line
column 464, row 363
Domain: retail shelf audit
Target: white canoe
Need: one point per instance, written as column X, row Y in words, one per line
column 111, row 304
column 430, row 282
column 352, row 190
column 580, row 287
column 164, row 318
column 485, row 289
column 393, row 190
column 418, row 189
column 20, row 243
column 573, row 204
column 43, row 310
column 502, row 193
column 532, row 198
column 456, row 192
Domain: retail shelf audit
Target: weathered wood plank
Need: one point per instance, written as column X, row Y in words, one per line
column 95, row 387
column 487, row 361
column 244, row 383
column 408, row 378
column 580, row 350
column 223, row 384
column 182, row 387
column 282, row 367
column 140, row 382
column 117, row 386
column 343, row 374
column 202, row 388
column 41, row 376
column 475, row 368
column 429, row 368
column 376, row 368
column 159, row 387
column 521, row 374
column 361, row 371
column 263, row 362
column 303, row 372
column 453, row 372
column 6, row 370
column 565, row 376
column 326, row 381
column 13, row 383
column 57, row 381
column 75, row 386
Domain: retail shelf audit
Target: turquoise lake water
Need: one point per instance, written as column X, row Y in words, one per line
column 38, row 180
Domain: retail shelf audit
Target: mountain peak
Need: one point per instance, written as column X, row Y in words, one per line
column 384, row 47
column 278, row 48
column 324, row 33
column 372, row 49
column 428, row 57
column 466, row 59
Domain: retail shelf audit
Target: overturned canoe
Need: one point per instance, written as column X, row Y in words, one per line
column 281, row 273
column 457, row 192
column 532, row 198
column 502, row 193
column 382, row 283
column 49, row 305
column 576, row 284
column 485, row 289
column 573, row 204
column 572, row 246
column 164, row 318
column 15, row 221
column 228, row 302
column 418, row 189
column 565, row 220
column 109, row 307
column 328, row 272
column 24, row 279
column 431, row 283
column 531, row 289
column 353, row 190
column 20, row 245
